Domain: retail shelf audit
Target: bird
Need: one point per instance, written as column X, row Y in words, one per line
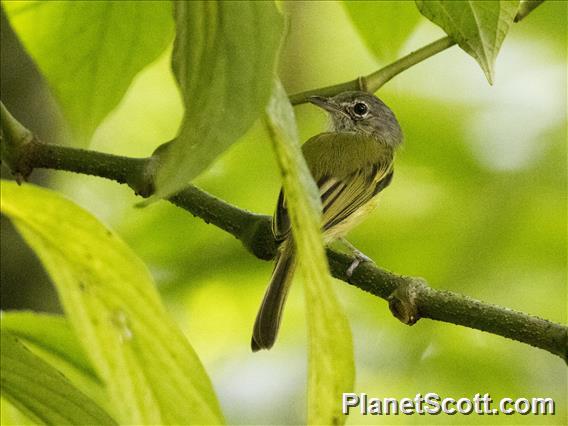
column 351, row 164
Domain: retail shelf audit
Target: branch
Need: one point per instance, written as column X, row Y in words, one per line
column 376, row 80
column 409, row 298
column 138, row 174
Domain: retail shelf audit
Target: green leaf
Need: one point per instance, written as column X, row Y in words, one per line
column 224, row 58
column 479, row 27
column 51, row 338
column 330, row 362
column 89, row 51
column 11, row 416
column 40, row 391
column 152, row 374
column 384, row 26
column 51, row 333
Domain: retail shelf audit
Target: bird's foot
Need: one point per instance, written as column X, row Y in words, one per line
column 359, row 258
column 343, row 246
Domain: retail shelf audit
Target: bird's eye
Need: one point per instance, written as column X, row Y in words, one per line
column 360, row 109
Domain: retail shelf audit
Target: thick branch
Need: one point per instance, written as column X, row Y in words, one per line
column 136, row 173
column 409, row 298
column 117, row 168
column 421, row 301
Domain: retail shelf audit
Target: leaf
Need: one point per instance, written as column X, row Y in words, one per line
column 41, row 392
column 479, row 27
column 11, row 416
column 330, row 362
column 50, row 333
column 384, row 26
column 152, row 374
column 89, row 51
column 51, row 338
column 224, row 58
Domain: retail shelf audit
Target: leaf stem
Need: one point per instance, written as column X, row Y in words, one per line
column 14, row 132
column 406, row 294
column 16, row 139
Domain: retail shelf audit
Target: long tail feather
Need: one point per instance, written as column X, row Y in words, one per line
column 270, row 312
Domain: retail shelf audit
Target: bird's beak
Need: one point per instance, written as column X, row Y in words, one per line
column 326, row 103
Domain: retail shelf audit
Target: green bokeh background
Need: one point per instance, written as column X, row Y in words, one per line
column 477, row 206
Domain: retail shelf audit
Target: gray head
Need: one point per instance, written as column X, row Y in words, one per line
column 361, row 112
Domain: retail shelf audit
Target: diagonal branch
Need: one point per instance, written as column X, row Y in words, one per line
column 376, row 80
column 409, row 298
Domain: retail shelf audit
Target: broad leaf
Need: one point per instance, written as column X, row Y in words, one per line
column 224, row 58
column 151, row 372
column 51, row 338
column 11, row 416
column 479, row 27
column 384, row 26
column 41, row 392
column 89, row 51
column 331, row 365
column 51, row 333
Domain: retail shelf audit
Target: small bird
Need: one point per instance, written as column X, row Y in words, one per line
column 350, row 164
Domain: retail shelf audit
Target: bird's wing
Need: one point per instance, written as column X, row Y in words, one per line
column 340, row 196
column 343, row 197
column 349, row 170
column 281, row 220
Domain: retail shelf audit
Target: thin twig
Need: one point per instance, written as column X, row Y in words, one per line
column 377, row 79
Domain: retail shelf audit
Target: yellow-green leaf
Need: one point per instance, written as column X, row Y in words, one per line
column 51, row 333
column 51, row 338
column 89, row 51
column 41, row 392
column 330, row 363
column 479, row 27
column 11, row 416
column 224, row 59
column 152, row 374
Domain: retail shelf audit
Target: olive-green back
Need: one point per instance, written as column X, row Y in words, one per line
column 340, row 154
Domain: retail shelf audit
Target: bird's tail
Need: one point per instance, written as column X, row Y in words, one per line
column 270, row 312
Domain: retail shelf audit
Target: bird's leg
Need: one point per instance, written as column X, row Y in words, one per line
column 359, row 258
column 346, row 247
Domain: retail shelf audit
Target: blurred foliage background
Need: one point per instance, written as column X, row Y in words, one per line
column 477, row 206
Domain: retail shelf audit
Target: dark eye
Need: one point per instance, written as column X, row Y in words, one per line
column 360, row 108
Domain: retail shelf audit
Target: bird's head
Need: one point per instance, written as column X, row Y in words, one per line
column 361, row 112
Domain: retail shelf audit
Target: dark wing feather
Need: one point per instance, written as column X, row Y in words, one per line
column 339, row 198
column 357, row 189
column 281, row 220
